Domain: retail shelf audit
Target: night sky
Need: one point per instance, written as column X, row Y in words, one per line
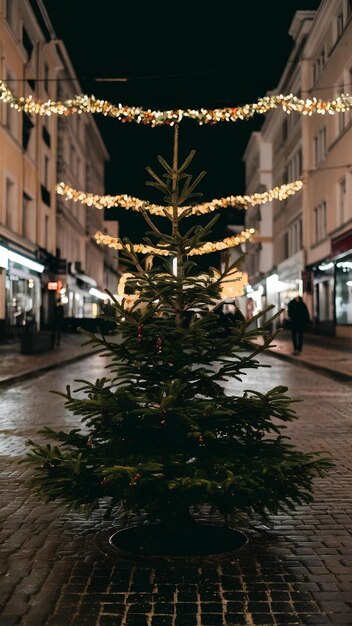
column 176, row 55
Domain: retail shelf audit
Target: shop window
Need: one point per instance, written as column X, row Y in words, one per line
column 323, row 301
column 343, row 298
column 349, row 91
column 22, row 301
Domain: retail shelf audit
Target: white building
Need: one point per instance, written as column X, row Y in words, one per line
column 81, row 160
column 259, row 260
column 312, row 231
column 46, row 245
column 27, row 167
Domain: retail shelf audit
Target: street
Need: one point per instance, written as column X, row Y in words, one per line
column 298, row 570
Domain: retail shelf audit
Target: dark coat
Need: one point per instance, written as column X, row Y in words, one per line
column 298, row 313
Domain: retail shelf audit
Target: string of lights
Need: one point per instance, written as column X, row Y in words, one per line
column 136, row 204
column 206, row 248
column 124, row 113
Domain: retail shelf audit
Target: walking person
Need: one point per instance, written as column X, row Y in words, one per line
column 299, row 317
column 58, row 322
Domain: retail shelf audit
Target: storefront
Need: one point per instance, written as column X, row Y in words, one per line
column 323, row 297
column 341, row 252
column 332, row 289
column 22, row 291
column 284, row 285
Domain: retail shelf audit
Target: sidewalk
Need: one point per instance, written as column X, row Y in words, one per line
column 326, row 355
column 15, row 366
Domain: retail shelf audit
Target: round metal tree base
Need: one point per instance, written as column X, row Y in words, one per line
column 198, row 540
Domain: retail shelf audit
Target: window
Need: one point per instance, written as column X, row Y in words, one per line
column 295, row 237
column 46, row 171
column 342, row 202
column 319, row 143
column 318, row 65
column 73, row 161
column 27, row 126
column 28, row 217
column 46, row 232
column 341, row 117
column 320, row 222
column 27, row 42
column 78, row 169
column 10, row 208
column 294, row 167
column 11, row 13
column 46, row 78
column 339, row 24
column 343, row 297
column 45, row 131
column 285, row 246
column 10, row 116
column 349, row 91
column 285, row 129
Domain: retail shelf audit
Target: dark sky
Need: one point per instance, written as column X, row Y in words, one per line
column 176, row 54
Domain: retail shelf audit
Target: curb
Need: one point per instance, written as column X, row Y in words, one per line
column 11, row 380
column 326, row 371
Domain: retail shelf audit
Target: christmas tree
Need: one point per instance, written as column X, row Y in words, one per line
column 159, row 435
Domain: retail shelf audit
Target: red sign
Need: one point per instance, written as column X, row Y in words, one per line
column 341, row 244
column 52, row 286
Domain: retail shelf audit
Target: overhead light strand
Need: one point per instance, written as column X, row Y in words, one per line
column 136, row 204
column 206, row 248
column 124, row 113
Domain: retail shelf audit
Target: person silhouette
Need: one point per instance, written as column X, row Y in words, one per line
column 58, row 322
column 299, row 317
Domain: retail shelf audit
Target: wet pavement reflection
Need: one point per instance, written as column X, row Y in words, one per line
column 295, row 570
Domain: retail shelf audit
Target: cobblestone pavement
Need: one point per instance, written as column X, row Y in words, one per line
column 298, row 571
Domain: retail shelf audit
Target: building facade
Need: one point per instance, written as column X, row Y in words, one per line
column 312, row 232
column 41, row 239
column 27, row 167
column 85, row 268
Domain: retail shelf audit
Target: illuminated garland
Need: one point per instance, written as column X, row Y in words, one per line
column 136, row 204
column 90, row 104
column 206, row 248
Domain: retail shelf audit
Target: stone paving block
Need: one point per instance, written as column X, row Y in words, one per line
column 303, row 555
column 235, row 619
column 344, row 619
column 9, row 620
column 262, row 618
column 161, row 620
